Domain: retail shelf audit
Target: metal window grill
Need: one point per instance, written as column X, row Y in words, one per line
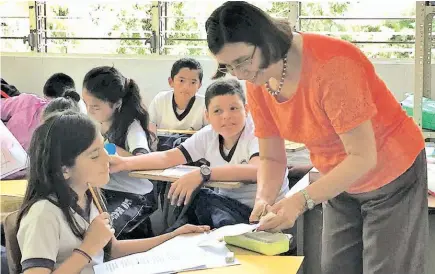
column 178, row 27
column 14, row 27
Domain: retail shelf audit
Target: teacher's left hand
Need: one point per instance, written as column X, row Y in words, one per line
column 286, row 212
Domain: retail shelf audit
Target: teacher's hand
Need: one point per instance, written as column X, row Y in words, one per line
column 286, row 212
column 260, row 209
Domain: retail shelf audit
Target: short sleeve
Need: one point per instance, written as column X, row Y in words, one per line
column 152, row 111
column 137, row 141
column 346, row 96
column 193, row 148
column 265, row 125
column 38, row 238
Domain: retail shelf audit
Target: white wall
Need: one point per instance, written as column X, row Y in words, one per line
column 28, row 72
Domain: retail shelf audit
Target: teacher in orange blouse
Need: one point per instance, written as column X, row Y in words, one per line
column 325, row 93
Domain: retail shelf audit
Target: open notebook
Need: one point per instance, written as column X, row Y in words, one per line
column 13, row 156
column 182, row 253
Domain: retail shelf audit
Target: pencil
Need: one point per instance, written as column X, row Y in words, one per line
column 95, row 198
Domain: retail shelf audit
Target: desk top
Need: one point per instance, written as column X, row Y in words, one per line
column 293, row 147
column 431, row 201
column 255, row 264
column 289, row 146
column 159, row 175
column 179, row 131
column 12, row 194
column 13, row 187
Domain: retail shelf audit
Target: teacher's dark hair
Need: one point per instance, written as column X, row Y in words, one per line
column 239, row 21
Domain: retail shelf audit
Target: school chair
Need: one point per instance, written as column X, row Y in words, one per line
column 13, row 252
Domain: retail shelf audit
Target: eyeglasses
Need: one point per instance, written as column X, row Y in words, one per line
column 241, row 67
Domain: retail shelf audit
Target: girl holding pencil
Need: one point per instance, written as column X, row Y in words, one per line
column 61, row 225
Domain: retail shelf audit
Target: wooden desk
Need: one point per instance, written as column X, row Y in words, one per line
column 13, row 187
column 176, row 131
column 157, row 175
column 431, row 201
column 12, row 194
column 255, row 263
column 259, row 265
column 293, row 147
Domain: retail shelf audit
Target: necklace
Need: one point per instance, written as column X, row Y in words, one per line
column 281, row 83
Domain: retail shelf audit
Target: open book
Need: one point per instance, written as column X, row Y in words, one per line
column 13, row 156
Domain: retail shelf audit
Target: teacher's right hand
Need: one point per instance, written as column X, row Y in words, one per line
column 260, row 209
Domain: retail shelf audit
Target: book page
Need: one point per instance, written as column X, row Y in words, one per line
column 13, row 156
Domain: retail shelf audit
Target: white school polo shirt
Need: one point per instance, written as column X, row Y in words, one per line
column 135, row 142
column 164, row 113
column 46, row 240
column 207, row 144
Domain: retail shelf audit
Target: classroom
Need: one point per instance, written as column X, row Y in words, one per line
column 217, row 137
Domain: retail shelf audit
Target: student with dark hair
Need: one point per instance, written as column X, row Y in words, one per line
column 22, row 113
column 115, row 102
column 325, row 93
column 181, row 108
column 60, row 104
column 8, row 90
column 58, row 84
column 231, row 148
column 59, row 227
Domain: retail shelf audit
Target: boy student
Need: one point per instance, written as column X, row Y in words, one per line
column 181, row 108
column 231, row 148
column 22, row 113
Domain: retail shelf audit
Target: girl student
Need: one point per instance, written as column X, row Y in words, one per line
column 115, row 103
column 59, row 227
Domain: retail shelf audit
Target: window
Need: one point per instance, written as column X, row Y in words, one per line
column 381, row 29
column 115, row 28
column 14, row 26
column 182, row 24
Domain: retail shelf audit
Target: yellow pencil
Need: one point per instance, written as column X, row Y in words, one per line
column 95, row 198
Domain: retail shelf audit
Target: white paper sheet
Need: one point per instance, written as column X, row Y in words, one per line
column 178, row 171
column 179, row 254
column 229, row 230
column 13, row 156
column 158, row 261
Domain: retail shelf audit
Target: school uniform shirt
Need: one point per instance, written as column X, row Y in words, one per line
column 164, row 113
column 46, row 240
column 82, row 107
column 135, row 142
column 209, row 145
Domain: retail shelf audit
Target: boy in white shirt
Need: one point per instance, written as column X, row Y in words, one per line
column 231, row 148
column 181, row 108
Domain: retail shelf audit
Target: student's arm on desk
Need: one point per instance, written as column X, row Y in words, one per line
column 151, row 161
column 271, row 172
column 182, row 189
column 126, row 247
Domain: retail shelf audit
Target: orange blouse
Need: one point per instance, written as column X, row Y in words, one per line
column 338, row 90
